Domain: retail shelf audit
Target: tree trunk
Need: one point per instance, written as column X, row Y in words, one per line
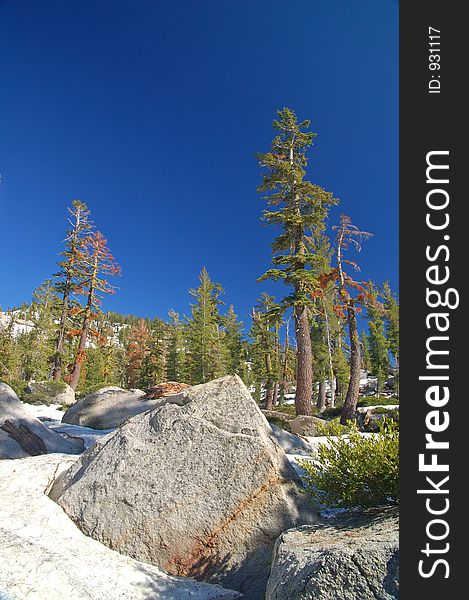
column 57, row 366
column 329, row 354
column 332, row 388
column 304, row 373
column 29, row 441
column 269, row 392
column 80, row 355
column 275, row 394
column 351, row 399
column 321, row 403
column 283, row 381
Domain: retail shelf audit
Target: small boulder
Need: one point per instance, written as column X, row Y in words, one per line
column 198, row 487
column 49, row 392
column 307, row 426
column 350, row 557
column 23, row 435
column 107, row 408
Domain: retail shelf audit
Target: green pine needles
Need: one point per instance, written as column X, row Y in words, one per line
column 301, row 207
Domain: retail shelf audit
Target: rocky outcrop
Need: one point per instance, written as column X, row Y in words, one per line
column 198, row 486
column 108, row 408
column 349, row 558
column 49, row 392
column 163, row 390
column 23, row 435
column 45, row 557
column 307, row 426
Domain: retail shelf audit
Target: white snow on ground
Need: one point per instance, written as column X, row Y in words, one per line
column 52, row 417
column 43, row 412
column 89, row 436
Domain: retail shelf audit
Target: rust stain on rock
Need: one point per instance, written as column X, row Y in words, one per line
column 203, row 558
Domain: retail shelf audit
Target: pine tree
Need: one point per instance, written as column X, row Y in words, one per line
column 341, row 369
column 206, row 361
column 299, row 207
column 154, row 364
column 92, row 372
column 69, row 278
column 137, row 350
column 365, row 352
column 321, row 331
column 98, row 264
column 349, row 235
column 39, row 348
column 377, row 341
column 391, row 306
column 288, row 366
column 177, row 350
column 234, row 344
column 10, row 355
column 265, row 350
column 320, row 356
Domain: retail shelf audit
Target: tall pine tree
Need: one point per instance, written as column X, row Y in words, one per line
column 99, row 264
column 349, row 235
column 299, row 206
column 70, row 277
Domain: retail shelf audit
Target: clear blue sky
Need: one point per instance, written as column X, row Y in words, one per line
column 151, row 113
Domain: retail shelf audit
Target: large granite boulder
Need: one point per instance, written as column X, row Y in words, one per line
column 44, row 556
column 49, row 392
column 108, row 408
column 347, row 558
column 23, row 435
column 198, row 487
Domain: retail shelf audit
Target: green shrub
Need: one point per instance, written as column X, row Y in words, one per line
column 355, row 471
column 44, row 392
column 332, row 427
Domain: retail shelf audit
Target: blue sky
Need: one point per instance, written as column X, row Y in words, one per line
column 151, row 112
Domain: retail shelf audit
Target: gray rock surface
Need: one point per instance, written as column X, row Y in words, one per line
column 65, row 397
column 23, row 435
column 198, row 487
column 44, row 556
column 108, row 408
column 307, row 426
column 291, row 443
column 349, row 558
